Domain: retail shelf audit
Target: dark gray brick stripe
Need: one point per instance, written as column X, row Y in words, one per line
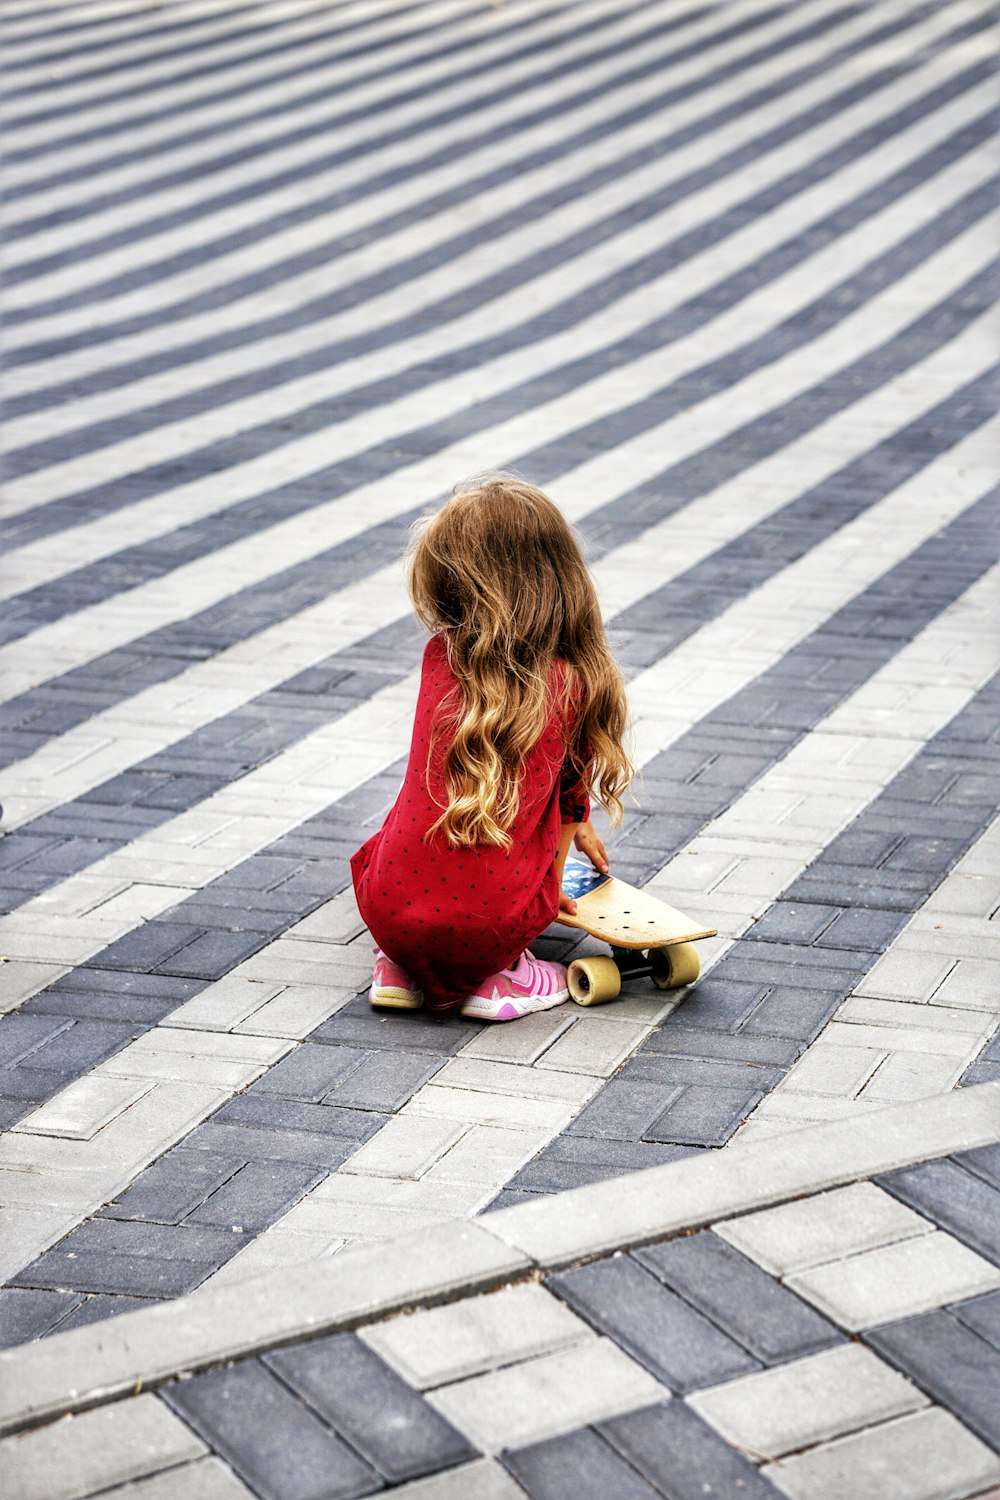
column 483, row 183
column 235, row 154
column 69, row 838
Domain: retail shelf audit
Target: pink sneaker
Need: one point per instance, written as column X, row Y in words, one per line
column 392, row 988
column 532, row 984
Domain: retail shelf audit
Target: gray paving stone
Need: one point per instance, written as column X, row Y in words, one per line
column 213, row 954
column 93, row 979
column 28, row 1315
column 358, row 1025
column 154, row 1241
column 130, row 1275
column 95, row 1005
column 963, row 1203
column 292, row 1114
column 652, row 1324
column 868, row 930
column 310, row 1072
column 703, row 1115
column 623, row 1110
column 672, row 1448
column 261, row 1143
column 80, row 1046
column 579, row 1466
column 273, row 1441
column 741, row 1299
column 946, row 1358
column 793, row 1012
column 792, row 963
column 32, row 1085
column 149, row 946
column 256, row 1195
column 794, row 922
column 980, row 1072
column 389, row 1423
column 167, row 1191
column 11, row 1110
column 384, row 1080
column 982, row 1315
column 574, row 1161
column 691, row 1041
column 97, row 1307
column 21, row 1034
column 720, row 1002
column 925, row 1456
column 715, row 1072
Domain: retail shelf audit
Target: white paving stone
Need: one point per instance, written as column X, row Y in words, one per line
column 807, row 1401
column 205, row 1479
column 543, row 1397
column 96, row 1449
column 406, row 1146
column 82, row 1109
column 826, row 1227
column 928, row 1455
column 896, row 1280
column 482, row 1480
column 467, row 1338
column 488, row 1155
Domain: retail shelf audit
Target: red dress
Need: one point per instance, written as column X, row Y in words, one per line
column 452, row 917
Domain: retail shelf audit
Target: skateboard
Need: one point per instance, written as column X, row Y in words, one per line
column 648, row 938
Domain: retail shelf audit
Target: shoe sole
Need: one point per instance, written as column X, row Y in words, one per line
column 551, row 1001
column 395, row 999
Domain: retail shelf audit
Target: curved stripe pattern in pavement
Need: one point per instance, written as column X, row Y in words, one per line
column 908, row 408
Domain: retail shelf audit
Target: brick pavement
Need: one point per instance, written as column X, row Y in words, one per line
column 724, row 280
column 820, row 1317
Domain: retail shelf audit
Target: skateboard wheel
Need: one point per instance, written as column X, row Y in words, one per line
column 675, row 966
column 594, row 980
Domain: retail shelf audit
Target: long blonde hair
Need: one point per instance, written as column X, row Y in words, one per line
column 500, row 572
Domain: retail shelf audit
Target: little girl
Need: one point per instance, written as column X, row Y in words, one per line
column 521, row 713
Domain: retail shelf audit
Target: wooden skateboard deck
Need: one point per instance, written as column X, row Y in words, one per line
column 647, row 937
column 621, row 914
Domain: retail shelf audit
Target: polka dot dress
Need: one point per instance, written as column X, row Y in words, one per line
column 453, row 917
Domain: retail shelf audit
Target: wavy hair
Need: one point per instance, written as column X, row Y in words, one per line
column 499, row 571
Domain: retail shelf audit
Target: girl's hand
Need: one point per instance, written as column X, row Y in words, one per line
column 566, row 903
column 589, row 842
